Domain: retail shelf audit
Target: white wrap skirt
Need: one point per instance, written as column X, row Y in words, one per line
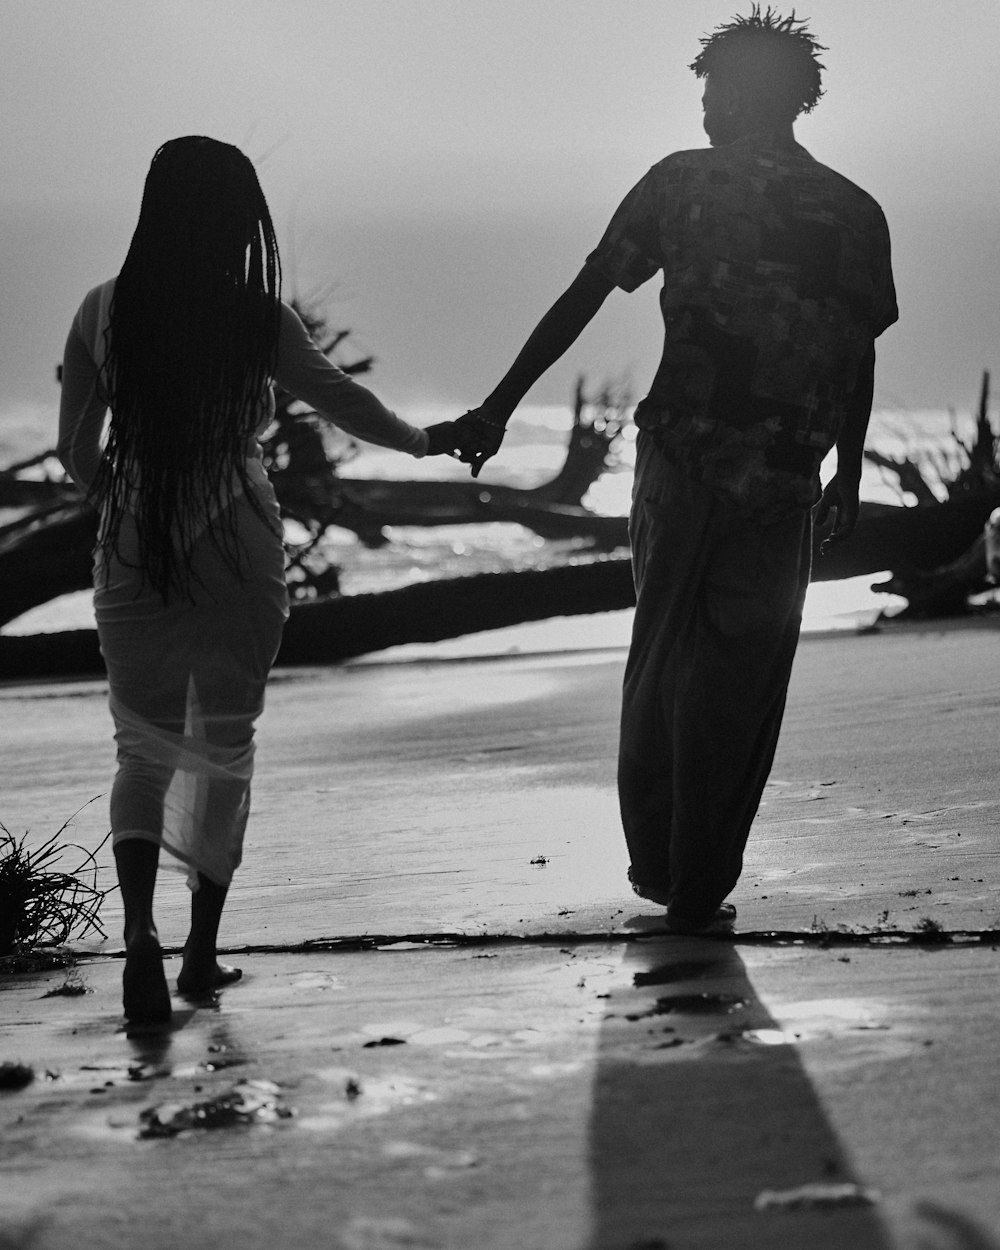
column 186, row 686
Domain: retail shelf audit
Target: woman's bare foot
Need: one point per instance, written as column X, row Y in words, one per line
column 194, row 981
column 201, row 973
column 145, row 996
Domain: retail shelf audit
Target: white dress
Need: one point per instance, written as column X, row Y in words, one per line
column 186, row 679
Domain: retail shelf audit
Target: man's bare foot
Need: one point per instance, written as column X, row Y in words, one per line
column 145, row 996
column 196, row 981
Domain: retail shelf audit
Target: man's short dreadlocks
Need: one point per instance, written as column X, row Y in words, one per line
column 773, row 59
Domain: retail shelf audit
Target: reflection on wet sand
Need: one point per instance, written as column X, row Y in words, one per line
column 703, row 1116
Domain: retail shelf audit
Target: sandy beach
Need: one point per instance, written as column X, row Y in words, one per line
column 400, row 798
column 484, row 1037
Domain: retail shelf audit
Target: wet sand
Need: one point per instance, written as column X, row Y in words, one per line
column 607, row 1088
column 478, row 796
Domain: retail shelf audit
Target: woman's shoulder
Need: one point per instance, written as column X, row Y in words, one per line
column 96, row 303
column 289, row 320
column 99, row 294
column 293, row 334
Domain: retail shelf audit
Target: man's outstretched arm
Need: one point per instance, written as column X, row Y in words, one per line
column 555, row 333
column 841, row 493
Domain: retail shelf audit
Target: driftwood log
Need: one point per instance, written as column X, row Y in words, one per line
column 54, row 557
column 341, row 628
column 351, row 625
column 47, row 552
column 939, row 584
column 943, row 591
column 935, row 550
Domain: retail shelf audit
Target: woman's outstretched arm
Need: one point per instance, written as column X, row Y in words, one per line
column 306, row 373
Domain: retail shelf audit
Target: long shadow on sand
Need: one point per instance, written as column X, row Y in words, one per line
column 712, row 1113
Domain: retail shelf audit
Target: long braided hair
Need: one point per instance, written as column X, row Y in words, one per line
column 191, row 348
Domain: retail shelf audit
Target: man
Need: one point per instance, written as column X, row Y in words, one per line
column 776, row 283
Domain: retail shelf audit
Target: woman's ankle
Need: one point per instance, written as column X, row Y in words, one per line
column 141, row 931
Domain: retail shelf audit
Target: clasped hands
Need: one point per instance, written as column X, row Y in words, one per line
column 473, row 438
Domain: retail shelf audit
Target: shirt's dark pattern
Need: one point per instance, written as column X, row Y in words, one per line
column 776, row 279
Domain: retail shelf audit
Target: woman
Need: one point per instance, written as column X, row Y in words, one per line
column 189, row 586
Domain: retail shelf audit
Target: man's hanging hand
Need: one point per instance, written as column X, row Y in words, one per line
column 840, row 497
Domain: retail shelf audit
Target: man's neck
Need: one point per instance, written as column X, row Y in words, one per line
column 781, row 133
column 771, row 135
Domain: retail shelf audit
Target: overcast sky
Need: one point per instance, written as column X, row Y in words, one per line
column 442, row 167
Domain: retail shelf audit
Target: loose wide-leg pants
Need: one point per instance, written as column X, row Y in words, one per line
column 719, row 605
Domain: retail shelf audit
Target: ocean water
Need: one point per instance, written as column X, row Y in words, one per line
column 532, row 453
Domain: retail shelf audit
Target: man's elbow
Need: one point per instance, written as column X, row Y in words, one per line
column 582, row 298
column 591, row 286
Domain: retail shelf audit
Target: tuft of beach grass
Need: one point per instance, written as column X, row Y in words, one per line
column 41, row 905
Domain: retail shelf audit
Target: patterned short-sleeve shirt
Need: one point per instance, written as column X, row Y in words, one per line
column 776, row 280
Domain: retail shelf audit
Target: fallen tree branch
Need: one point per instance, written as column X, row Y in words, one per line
column 352, row 625
column 943, row 591
column 55, row 557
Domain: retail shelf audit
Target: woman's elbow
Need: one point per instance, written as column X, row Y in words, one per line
column 66, row 457
column 83, row 475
